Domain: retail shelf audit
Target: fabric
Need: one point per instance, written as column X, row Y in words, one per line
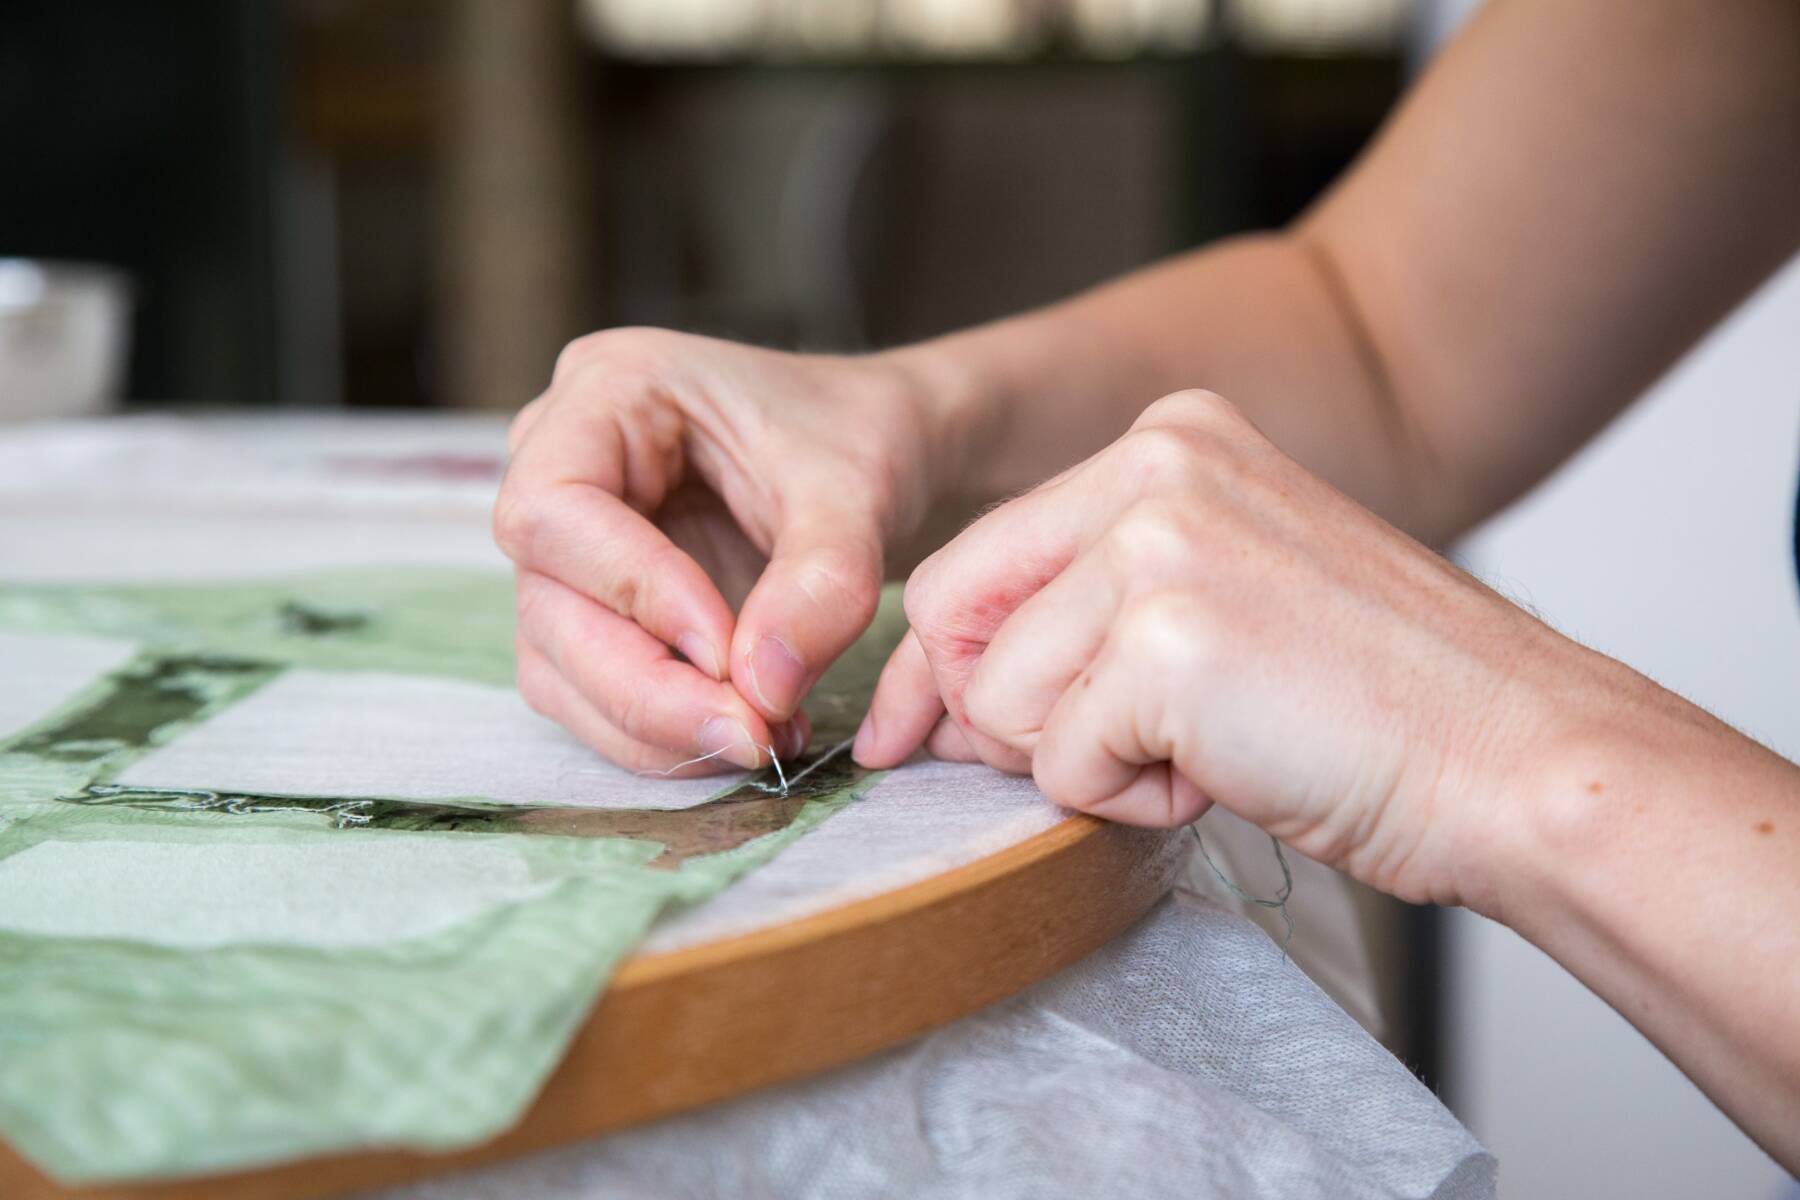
column 1187, row 1058
column 152, row 516
column 267, row 888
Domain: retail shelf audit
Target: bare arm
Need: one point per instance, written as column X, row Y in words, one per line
column 1568, row 199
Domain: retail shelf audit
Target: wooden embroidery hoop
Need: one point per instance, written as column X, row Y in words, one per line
column 678, row 1030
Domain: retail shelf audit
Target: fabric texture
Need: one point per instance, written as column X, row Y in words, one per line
column 297, row 938
column 1185, row 1059
column 1189, row 1058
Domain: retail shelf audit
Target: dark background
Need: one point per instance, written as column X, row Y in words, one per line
column 415, row 202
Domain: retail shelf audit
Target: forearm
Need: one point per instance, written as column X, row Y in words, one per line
column 1660, row 864
column 1517, row 257
column 1258, row 319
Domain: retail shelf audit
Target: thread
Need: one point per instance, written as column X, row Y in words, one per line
column 783, row 785
column 1279, row 903
column 769, row 750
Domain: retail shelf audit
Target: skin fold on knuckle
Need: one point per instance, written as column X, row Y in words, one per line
column 843, row 583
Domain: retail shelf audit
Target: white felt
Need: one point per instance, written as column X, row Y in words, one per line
column 316, row 894
column 40, row 672
column 323, row 733
column 913, row 825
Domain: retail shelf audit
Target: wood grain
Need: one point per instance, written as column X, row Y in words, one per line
column 679, row 1030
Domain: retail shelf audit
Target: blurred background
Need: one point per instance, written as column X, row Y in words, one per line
column 380, row 204
column 416, row 203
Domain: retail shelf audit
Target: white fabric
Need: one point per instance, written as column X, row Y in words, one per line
column 913, row 825
column 1185, row 1059
column 364, row 733
column 39, row 672
column 307, row 894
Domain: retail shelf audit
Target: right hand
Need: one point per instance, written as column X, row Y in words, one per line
column 699, row 529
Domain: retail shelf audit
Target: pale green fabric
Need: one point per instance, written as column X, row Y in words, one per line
column 144, row 1054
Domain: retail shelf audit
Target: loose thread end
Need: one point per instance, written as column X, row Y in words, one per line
column 783, row 785
column 1279, row 903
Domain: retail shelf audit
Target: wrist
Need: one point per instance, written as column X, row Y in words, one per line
column 960, row 412
column 1595, row 786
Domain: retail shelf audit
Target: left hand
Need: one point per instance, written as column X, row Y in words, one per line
column 1191, row 617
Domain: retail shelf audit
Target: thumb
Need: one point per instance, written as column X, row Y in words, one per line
column 816, row 596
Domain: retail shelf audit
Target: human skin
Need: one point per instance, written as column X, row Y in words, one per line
column 1190, row 617
column 1571, row 195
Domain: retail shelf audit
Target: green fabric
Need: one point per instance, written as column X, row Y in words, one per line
column 415, row 620
column 142, row 1054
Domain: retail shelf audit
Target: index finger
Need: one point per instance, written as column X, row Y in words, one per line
column 563, row 512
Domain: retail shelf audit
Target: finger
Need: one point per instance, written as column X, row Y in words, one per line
column 816, row 596
column 903, row 710
column 1041, row 649
column 572, row 507
column 633, row 681
column 792, row 737
column 948, row 742
column 1094, row 755
column 593, row 543
column 522, row 421
column 960, row 596
column 551, row 696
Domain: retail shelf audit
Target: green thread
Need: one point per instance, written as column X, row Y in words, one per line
column 1279, row 903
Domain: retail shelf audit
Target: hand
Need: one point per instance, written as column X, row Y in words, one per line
column 1190, row 617
column 699, row 529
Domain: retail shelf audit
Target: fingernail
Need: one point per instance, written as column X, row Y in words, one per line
column 776, row 676
column 727, row 738
column 865, row 738
column 700, row 652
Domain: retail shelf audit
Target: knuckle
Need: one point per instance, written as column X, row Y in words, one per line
column 534, row 687
column 528, row 594
column 1053, row 782
column 1191, row 406
column 625, row 592
column 625, row 348
column 1150, row 537
column 515, row 430
column 1166, row 457
column 1169, row 628
column 578, row 354
column 629, row 709
column 518, row 515
column 843, row 579
column 919, row 599
column 981, row 704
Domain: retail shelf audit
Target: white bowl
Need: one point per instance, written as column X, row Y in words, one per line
column 65, row 331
